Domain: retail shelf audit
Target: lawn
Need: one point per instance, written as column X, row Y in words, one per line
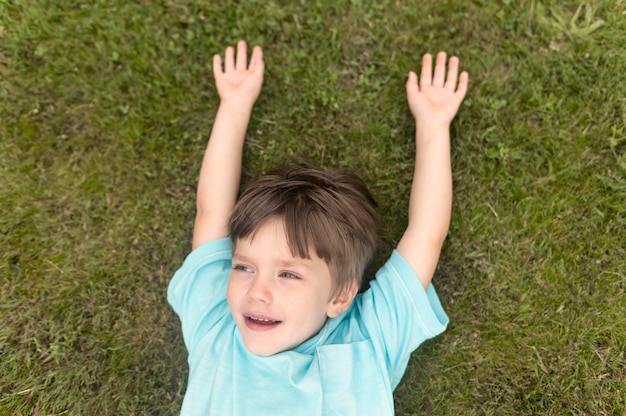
column 105, row 110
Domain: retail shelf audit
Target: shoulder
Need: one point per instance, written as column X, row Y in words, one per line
column 398, row 313
column 212, row 253
column 198, row 288
column 397, row 282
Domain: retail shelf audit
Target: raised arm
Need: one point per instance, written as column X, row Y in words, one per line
column 238, row 85
column 434, row 102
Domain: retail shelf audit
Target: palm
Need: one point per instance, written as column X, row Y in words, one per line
column 237, row 84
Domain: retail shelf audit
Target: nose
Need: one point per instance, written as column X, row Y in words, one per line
column 260, row 290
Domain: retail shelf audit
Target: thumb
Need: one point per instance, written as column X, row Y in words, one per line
column 411, row 84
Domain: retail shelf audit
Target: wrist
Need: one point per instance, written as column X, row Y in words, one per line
column 432, row 124
column 427, row 133
column 236, row 108
column 237, row 105
column 432, row 127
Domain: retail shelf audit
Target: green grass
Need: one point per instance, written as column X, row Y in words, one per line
column 105, row 109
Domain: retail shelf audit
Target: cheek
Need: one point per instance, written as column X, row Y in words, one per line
column 313, row 305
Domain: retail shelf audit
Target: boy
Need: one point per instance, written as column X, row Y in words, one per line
column 271, row 317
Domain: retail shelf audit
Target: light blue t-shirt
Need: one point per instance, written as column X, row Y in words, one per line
column 351, row 367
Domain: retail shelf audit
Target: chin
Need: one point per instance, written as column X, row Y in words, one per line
column 261, row 351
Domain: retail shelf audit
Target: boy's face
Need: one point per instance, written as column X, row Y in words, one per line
column 278, row 301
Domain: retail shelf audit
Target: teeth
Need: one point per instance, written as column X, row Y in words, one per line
column 267, row 321
column 261, row 320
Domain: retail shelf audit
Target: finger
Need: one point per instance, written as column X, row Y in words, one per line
column 440, row 70
column 453, row 72
column 411, row 84
column 427, row 70
column 256, row 60
column 463, row 83
column 217, row 66
column 229, row 59
column 242, row 56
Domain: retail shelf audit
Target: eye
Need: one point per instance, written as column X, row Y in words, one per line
column 242, row 268
column 288, row 275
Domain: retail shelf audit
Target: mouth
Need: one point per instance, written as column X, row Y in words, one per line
column 257, row 323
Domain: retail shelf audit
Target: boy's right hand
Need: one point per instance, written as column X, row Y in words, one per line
column 237, row 83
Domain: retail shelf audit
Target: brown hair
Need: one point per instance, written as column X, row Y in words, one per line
column 331, row 211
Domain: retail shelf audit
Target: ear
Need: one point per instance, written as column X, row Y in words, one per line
column 340, row 303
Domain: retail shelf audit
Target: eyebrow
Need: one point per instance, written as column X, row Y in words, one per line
column 281, row 262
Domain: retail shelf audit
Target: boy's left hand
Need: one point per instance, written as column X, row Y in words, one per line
column 436, row 98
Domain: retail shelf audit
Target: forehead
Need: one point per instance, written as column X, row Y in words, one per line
column 270, row 238
column 274, row 229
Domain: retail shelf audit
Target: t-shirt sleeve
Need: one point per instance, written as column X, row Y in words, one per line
column 197, row 292
column 400, row 314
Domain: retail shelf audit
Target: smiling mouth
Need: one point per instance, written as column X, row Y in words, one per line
column 259, row 324
column 261, row 321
